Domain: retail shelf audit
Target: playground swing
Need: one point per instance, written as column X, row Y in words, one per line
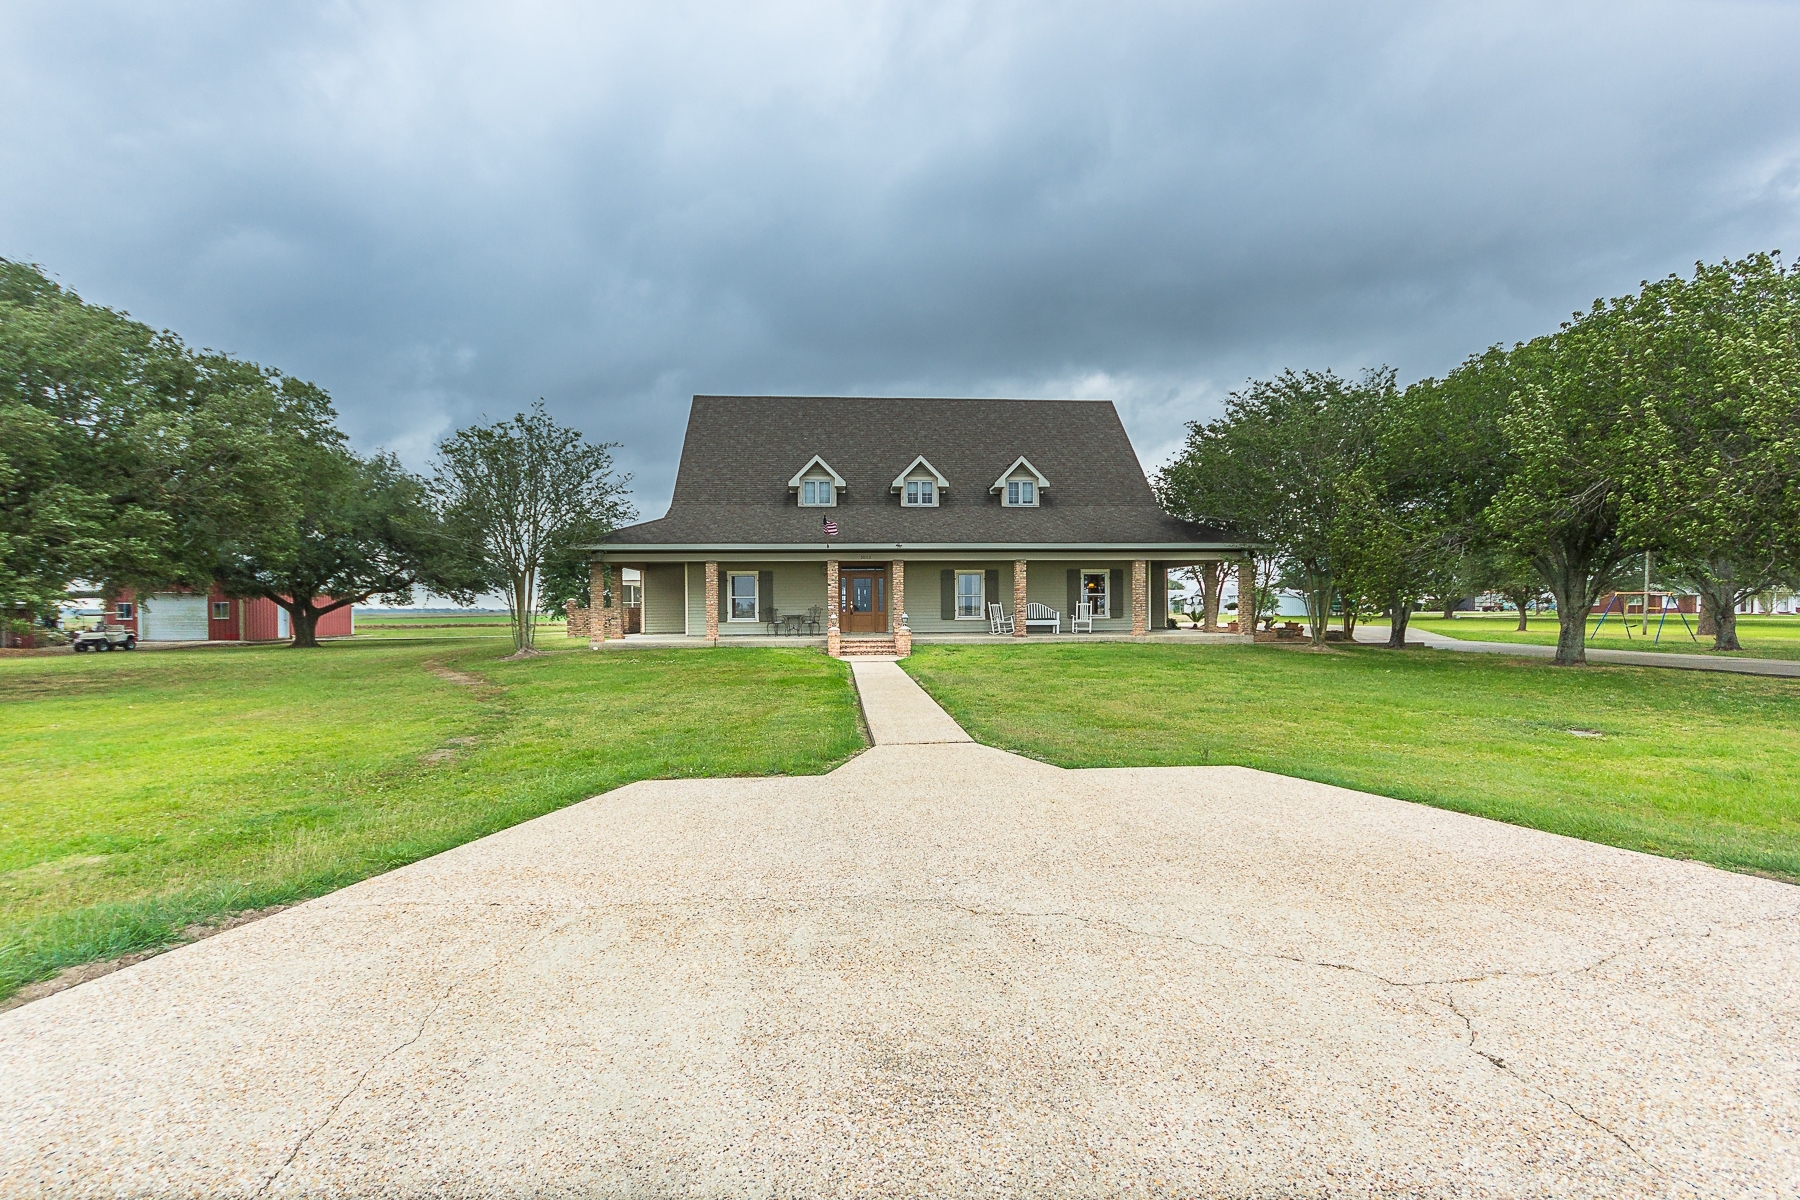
column 1661, row 620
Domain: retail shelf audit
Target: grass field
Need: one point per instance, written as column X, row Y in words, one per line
column 143, row 792
column 1761, row 637
column 401, row 625
column 1686, row 764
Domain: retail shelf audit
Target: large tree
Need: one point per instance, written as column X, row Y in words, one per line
column 524, row 493
column 1277, row 467
column 349, row 527
column 1712, row 479
column 125, row 458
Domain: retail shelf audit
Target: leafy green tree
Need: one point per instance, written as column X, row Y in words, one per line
column 349, row 528
column 125, row 459
column 1567, row 427
column 526, row 493
column 1712, row 475
column 1276, row 467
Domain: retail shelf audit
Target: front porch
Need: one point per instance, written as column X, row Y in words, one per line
column 860, row 605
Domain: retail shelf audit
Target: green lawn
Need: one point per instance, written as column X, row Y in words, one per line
column 1688, row 764
column 1761, row 637
column 401, row 625
column 142, row 792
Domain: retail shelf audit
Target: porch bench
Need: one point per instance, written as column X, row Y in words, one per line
column 1042, row 614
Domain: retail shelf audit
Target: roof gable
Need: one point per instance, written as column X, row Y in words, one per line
column 736, row 481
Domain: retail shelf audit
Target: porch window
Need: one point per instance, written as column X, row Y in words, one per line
column 1021, row 493
column 921, row 493
column 970, row 603
column 1093, row 590
column 817, row 493
column 743, row 597
column 221, row 610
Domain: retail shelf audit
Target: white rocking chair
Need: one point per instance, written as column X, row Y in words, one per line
column 1083, row 620
column 998, row 620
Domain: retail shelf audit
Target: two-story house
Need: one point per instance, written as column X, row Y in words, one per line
column 870, row 521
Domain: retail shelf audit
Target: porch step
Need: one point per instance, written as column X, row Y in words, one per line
column 850, row 647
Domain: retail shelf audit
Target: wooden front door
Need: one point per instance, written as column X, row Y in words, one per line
column 863, row 600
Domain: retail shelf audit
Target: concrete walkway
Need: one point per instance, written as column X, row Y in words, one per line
column 1628, row 658
column 946, row 970
column 898, row 711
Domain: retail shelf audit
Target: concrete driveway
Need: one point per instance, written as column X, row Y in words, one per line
column 946, row 970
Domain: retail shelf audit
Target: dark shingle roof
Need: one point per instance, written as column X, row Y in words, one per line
column 740, row 452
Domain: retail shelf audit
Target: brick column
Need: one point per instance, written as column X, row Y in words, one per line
column 614, row 616
column 902, row 632
column 833, row 638
column 596, row 630
column 712, row 602
column 1247, row 599
column 1140, row 597
column 1019, row 598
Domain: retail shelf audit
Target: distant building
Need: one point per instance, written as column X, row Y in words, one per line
column 183, row 616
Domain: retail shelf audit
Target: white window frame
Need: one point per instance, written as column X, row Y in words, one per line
column 731, row 577
column 818, row 485
column 915, row 488
column 1105, row 575
column 122, row 610
column 1015, row 488
column 980, row 613
column 216, row 615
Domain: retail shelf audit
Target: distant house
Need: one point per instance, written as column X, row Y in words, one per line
column 183, row 616
column 868, row 521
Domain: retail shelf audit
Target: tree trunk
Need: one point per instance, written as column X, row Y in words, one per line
column 1450, row 603
column 1720, row 599
column 1212, row 578
column 1707, row 623
column 1519, row 601
column 1319, row 604
column 1399, row 613
column 1349, row 619
column 306, row 626
column 1569, row 584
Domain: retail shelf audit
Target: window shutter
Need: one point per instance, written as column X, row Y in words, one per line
column 1074, row 592
column 1159, row 596
column 1116, row 603
column 947, row 594
column 993, row 590
column 765, row 594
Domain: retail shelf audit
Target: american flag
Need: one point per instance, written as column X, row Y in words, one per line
column 830, row 528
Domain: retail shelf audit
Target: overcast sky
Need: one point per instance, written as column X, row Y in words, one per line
column 441, row 211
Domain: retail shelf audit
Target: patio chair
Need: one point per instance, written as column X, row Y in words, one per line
column 998, row 620
column 1083, row 620
column 814, row 615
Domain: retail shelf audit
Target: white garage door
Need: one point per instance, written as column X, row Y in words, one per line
column 172, row 618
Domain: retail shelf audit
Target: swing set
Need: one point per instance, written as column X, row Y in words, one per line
column 1623, row 600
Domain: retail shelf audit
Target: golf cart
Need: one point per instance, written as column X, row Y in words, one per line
column 104, row 637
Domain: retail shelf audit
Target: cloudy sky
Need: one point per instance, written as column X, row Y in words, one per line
column 444, row 210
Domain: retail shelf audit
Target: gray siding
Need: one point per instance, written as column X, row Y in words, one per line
column 924, row 593
column 664, row 601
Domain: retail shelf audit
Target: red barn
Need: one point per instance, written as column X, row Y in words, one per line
column 183, row 616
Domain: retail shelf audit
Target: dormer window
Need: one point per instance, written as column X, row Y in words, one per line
column 816, row 485
column 920, row 485
column 1021, row 485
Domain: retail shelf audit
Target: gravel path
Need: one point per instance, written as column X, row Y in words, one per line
column 947, row 970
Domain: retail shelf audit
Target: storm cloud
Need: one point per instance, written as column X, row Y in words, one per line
column 447, row 210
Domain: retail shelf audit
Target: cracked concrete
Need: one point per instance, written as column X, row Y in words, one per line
column 940, row 970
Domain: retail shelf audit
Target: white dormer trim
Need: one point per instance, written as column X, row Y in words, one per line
column 837, row 481
column 943, row 485
column 1007, row 475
